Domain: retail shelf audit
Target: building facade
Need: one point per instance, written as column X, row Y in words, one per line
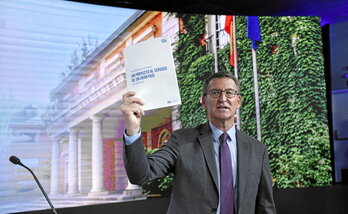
column 84, row 122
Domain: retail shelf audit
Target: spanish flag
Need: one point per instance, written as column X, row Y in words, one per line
column 229, row 29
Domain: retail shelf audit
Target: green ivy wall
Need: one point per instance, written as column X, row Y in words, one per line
column 292, row 92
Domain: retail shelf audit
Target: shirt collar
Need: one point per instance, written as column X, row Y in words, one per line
column 217, row 132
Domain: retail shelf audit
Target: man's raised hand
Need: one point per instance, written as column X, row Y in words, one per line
column 132, row 111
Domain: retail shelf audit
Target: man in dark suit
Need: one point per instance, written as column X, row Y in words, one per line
column 218, row 169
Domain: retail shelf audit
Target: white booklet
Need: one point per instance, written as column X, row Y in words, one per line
column 150, row 72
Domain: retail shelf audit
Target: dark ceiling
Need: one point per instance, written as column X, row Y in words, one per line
column 330, row 10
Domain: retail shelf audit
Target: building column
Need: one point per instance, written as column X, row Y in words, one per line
column 131, row 191
column 97, row 156
column 54, row 190
column 176, row 123
column 121, row 176
column 73, row 162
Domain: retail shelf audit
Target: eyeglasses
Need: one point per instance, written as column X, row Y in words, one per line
column 229, row 93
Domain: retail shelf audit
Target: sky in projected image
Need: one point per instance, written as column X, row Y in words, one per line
column 38, row 37
column 37, row 40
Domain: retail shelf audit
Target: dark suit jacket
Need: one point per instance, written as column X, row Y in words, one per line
column 189, row 153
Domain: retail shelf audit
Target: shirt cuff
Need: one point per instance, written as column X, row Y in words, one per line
column 128, row 140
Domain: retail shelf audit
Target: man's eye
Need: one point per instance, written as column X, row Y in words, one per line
column 229, row 92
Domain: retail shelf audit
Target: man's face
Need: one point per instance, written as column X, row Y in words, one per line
column 221, row 109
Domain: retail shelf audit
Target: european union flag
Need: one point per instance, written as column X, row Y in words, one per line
column 254, row 33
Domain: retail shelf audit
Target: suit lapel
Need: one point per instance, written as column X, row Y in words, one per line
column 206, row 142
column 243, row 155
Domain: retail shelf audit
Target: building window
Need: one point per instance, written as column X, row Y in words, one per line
column 147, row 34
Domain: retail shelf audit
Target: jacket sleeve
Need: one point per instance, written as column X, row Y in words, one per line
column 141, row 168
column 264, row 201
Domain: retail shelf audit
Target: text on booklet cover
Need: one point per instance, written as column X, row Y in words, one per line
column 150, row 72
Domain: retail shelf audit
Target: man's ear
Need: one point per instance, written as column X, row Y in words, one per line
column 203, row 102
column 239, row 101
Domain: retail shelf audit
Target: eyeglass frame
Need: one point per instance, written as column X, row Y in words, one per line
column 235, row 93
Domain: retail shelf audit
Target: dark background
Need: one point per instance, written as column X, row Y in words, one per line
column 330, row 10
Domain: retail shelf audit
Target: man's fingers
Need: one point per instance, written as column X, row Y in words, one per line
column 134, row 101
column 133, row 106
column 128, row 95
column 132, row 110
column 139, row 113
column 128, row 98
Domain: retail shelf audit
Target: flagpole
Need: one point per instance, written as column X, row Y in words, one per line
column 257, row 104
column 254, row 34
column 216, row 67
column 235, row 61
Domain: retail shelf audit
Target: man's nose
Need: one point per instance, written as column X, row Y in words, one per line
column 222, row 96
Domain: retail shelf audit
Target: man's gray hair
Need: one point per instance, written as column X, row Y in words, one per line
column 220, row 74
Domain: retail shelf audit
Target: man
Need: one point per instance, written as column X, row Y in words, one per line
column 212, row 175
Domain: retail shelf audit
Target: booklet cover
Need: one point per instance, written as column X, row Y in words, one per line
column 150, row 72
